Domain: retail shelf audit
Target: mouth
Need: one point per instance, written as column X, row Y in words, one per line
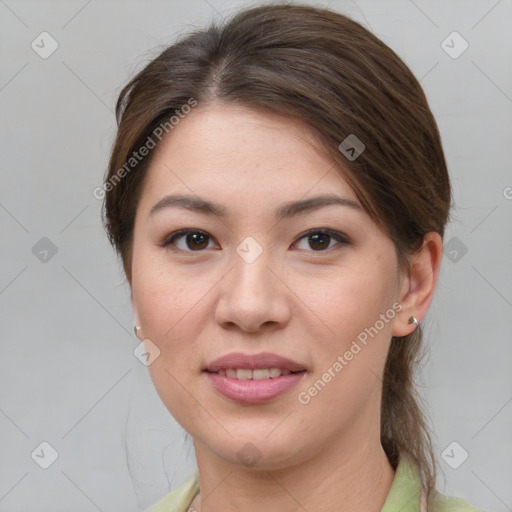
column 254, row 386
column 253, row 378
column 255, row 374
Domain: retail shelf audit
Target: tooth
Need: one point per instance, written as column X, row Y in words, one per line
column 261, row 374
column 243, row 374
column 275, row 372
column 256, row 374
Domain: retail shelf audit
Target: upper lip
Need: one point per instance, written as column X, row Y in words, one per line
column 253, row 361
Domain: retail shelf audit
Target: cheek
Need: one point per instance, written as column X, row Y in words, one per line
column 168, row 304
column 352, row 297
column 351, row 305
column 166, row 298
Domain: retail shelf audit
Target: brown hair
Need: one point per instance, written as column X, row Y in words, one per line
column 331, row 73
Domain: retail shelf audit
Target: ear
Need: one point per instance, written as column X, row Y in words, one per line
column 417, row 289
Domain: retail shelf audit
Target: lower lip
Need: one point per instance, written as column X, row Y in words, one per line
column 254, row 391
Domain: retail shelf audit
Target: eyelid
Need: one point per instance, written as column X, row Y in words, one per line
column 339, row 236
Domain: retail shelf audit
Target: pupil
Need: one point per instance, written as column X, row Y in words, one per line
column 194, row 237
column 314, row 238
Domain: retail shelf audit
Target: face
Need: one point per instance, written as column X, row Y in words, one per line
column 318, row 286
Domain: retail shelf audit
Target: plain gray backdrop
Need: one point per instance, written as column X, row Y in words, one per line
column 69, row 378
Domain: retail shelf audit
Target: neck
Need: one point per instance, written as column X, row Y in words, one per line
column 329, row 481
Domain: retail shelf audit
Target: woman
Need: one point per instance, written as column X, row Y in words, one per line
column 278, row 193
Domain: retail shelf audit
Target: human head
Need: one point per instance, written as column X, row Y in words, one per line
column 337, row 78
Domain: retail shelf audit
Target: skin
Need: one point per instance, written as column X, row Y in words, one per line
column 303, row 301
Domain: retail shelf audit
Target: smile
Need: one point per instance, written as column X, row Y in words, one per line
column 254, row 386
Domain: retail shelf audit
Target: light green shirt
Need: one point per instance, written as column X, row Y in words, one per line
column 405, row 495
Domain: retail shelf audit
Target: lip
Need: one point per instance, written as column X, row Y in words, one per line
column 253, row 361
column 254, row 391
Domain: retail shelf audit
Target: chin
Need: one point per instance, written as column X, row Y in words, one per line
column 260, row 453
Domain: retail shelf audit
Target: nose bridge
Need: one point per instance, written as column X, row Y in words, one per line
column 251, row 273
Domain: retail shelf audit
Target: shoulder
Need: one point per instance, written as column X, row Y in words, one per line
column 445, row 503
column 407, row 493
column 179, row 499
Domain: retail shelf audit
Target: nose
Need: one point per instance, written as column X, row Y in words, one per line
column 253, row 297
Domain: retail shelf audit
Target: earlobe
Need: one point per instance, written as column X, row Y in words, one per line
column 419, row 286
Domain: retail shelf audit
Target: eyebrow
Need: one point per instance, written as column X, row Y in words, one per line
column 286, row 210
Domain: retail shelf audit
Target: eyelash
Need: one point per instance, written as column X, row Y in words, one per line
column 339, row 237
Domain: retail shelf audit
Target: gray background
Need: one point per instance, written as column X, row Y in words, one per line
column 67, row 369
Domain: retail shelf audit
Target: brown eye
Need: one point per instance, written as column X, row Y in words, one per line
column 320, row 239
column 194, row 240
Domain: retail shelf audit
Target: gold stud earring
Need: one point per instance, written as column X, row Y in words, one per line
column 136, row 329
column 412, row 320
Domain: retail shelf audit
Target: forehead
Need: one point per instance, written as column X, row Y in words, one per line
column 240, row 154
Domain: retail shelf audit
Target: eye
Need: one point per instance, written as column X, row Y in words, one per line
column 194, row 239
column 197, row 240
column 320, row 239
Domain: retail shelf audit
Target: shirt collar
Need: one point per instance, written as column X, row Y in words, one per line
column 405, row 492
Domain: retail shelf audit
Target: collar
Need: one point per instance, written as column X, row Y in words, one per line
column 406, row 493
